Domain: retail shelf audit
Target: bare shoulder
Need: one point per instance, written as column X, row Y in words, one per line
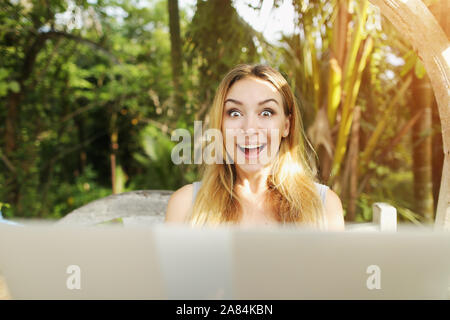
column 334, row 211
column 179, row 204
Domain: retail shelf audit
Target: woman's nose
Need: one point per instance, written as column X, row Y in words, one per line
column 250, row 124
column 251, row 131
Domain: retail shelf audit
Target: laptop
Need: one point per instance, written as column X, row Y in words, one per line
column 365, row 265
column 179, row 262
column 50, row 262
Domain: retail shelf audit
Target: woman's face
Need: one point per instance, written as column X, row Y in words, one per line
column 253, row 123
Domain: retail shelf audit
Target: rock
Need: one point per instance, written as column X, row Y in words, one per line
column 134, row 207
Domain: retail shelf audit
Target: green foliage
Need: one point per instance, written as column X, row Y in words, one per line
column 67, row 87
column 159, row 172
column 76, row 88
column 412, row 61
column 69, row 196
column 365, row 208
column 392, row 187
column 7, row 85
column 217, row 39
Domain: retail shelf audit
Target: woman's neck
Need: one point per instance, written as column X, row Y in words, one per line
column 252, row 185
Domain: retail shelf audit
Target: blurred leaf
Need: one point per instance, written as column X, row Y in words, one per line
column 410, row 62
column 419, row 69
column 14, row 86
column 121, row 179
column 117, row 221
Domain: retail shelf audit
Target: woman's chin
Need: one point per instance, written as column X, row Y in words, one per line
column 252, row 167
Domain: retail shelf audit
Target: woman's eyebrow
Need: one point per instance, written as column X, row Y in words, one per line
column 260, row 103
column 268, row 100
column 234, row 101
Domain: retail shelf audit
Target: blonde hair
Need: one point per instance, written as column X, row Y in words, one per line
column 292, row 193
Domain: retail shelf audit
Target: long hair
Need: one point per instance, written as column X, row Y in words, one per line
column 292, row 193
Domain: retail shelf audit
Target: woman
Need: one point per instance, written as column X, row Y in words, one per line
column 256, row 112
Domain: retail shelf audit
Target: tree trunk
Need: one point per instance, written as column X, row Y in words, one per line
column 440, row 10
column 114, row 149
column 437, row 154
column 79, row 123
column 423, row 98
column 339, row 44
column 11, row 122
column 176, row 55
column 353, row 154
column 11, row 129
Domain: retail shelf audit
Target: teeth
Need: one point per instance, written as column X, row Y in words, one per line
column 252, row 146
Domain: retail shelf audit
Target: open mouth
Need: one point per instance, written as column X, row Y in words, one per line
column 252, row 150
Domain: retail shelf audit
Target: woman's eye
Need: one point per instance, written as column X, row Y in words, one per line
column 233, row 112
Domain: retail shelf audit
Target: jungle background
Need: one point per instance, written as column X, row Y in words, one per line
column 91, row 90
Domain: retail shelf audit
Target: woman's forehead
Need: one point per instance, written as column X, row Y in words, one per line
column 253, row 88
